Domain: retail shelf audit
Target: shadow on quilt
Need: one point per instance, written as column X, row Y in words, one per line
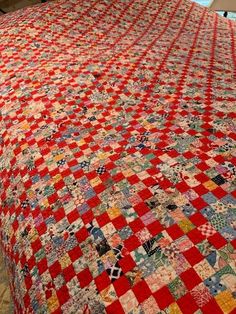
column 6, row 306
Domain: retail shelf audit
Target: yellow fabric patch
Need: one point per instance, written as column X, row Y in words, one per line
column 95, row 182
column 210, row 185
column 53, row 303
column 65, row 261
column 174, row 309
column 226, row 301
column 56, row 178
column 59, row 157
column 113, row 212
column 186, row 225
column 128, row 173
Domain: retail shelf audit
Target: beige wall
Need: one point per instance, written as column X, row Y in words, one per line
column 223, row 5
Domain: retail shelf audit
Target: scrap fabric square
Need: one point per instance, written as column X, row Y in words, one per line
column 117, row 157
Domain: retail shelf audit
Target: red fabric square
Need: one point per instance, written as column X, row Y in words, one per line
column 198, row 219
column 27, row 301
column 190, row 278
column 212, row 307
column 132, row 243
column 102, row 281
column 75, row 253
column 82, row 234
column 182, row 187
column 115, row 308
column 217, row 240
column 118, row 177
column 173, row 153
column 234, row 193
column 199, row 203
column 195, row 236
column 163, row 297
column 133, row 179
column 127, row 263
column 69, row 273
column 141, row 209
column 88, row 216
column 200, row 189
column 28, row 282
column 136, row 225
column 219, row 192
column 175, row 231
column 63, row 294
column 55, row 269
column 57, row 311
column 193, row 256
column 42, row 265
column 149, row 181
column 155, row 227
column 202, row 177
column 36, row 245
column 155, row 161
column 99, row 188
column 145, row 194
column 142, row 291
column 187, row 304
column 103, row 219
column 73, row 216
column 220, row 159
column 84, row 277
column 119, row 222
column 165, row 184
column 233, row 243
column 31, row 262
column 188, row 155
column 202, row 166
column 121, row 285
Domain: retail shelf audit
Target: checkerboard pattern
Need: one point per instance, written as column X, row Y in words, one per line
column 117, row 157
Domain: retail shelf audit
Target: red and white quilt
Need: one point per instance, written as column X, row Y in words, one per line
column 117, row 157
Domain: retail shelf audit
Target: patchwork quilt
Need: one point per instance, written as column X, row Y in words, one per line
column 117, row 157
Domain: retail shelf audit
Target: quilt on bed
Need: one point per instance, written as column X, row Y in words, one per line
column 117, row 164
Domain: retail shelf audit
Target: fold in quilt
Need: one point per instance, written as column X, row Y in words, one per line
column 117, row 166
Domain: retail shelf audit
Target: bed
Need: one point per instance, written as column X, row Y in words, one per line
column 117, row 157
